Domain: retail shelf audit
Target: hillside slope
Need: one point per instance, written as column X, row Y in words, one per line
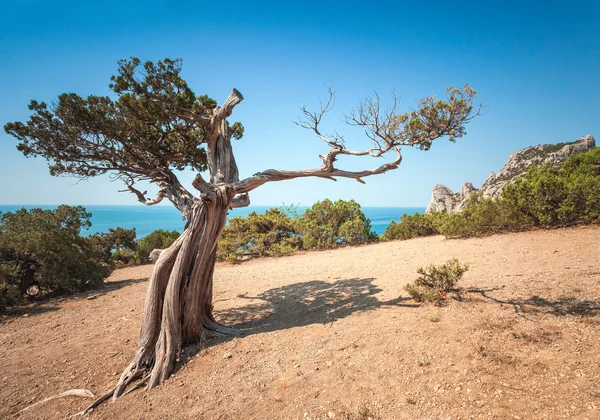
column 332, row 335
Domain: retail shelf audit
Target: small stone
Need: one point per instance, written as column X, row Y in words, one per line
column 330, row 414
column 227, row 356
column 329, row 364
column 92, row 297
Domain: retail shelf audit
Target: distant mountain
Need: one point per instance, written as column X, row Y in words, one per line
column 443, row 199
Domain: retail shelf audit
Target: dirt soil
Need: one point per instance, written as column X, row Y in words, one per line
column 332, row 334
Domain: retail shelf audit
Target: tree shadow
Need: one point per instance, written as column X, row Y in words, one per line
column 536, row 304
column 297, row 305
column 54, row 303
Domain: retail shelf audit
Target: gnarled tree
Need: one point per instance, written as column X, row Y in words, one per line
column 156, row 126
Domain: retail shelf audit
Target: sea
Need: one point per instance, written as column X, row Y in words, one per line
column 147, row 219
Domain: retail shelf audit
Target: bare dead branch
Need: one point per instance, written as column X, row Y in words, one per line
column 271, row 175
column 242, row 200
column 201, row 185
column 141, row 196
column 311, row 119
column 224, row 111
column 386, row 128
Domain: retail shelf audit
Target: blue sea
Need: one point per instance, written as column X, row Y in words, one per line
column 147, row 219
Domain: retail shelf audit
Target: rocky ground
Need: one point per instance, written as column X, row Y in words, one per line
column 333, row 335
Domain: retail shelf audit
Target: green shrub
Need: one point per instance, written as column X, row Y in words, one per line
column 270, row 234
column 552, row 196
column 481, row 217
column 436, row 281
column 283, row 231
column 328, row 225
column 160, row 239
column 44, row 248
column 412, row 226
column 118, row 245
column 545, row 196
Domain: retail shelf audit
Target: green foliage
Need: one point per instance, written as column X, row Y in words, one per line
column 559, row 196
column 142, row 131
column 271, row 234
column 432, row 119
column 436, row 281
column 328, row 225
column 118, row 245
column 545, row 196
column 481, row 217
column 282, row 231
column 160, row 239
column 44, row 248
column 412, row 226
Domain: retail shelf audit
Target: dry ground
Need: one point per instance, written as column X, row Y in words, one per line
column 333, row 335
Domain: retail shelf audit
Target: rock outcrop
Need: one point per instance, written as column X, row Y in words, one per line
column 443, row 199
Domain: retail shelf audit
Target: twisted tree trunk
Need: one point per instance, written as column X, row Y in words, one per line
column 179, row 298
column 178, row 308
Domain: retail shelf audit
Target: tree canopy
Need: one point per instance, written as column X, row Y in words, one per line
column 154, row 124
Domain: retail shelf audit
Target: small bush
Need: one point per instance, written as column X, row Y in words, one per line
column 118, row 246
column 44, row 248
column 483, row 216
column 271, row 234
column 329, row 225
column 158, row 239
column 436, row 281
column 412, row 226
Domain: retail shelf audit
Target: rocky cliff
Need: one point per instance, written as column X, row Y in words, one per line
column 443, row 199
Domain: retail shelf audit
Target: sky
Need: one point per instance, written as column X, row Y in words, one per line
column 535, row 66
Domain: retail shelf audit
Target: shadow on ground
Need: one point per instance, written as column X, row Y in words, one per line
column 536, row 304
column 53, row 304
column 300, row 304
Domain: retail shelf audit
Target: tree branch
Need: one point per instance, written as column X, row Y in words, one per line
column 242, row 200
column 201, row 185
column 222, row 112
column 312, row 119
column 141, row 196
column 170, row 187
column 387, row 129
column 271, row 175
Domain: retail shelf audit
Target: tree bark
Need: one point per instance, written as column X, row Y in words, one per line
column 178, row 308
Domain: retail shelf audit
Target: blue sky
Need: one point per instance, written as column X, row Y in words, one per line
column 536, row 66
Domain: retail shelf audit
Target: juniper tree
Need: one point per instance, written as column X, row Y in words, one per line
column 154, row 126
